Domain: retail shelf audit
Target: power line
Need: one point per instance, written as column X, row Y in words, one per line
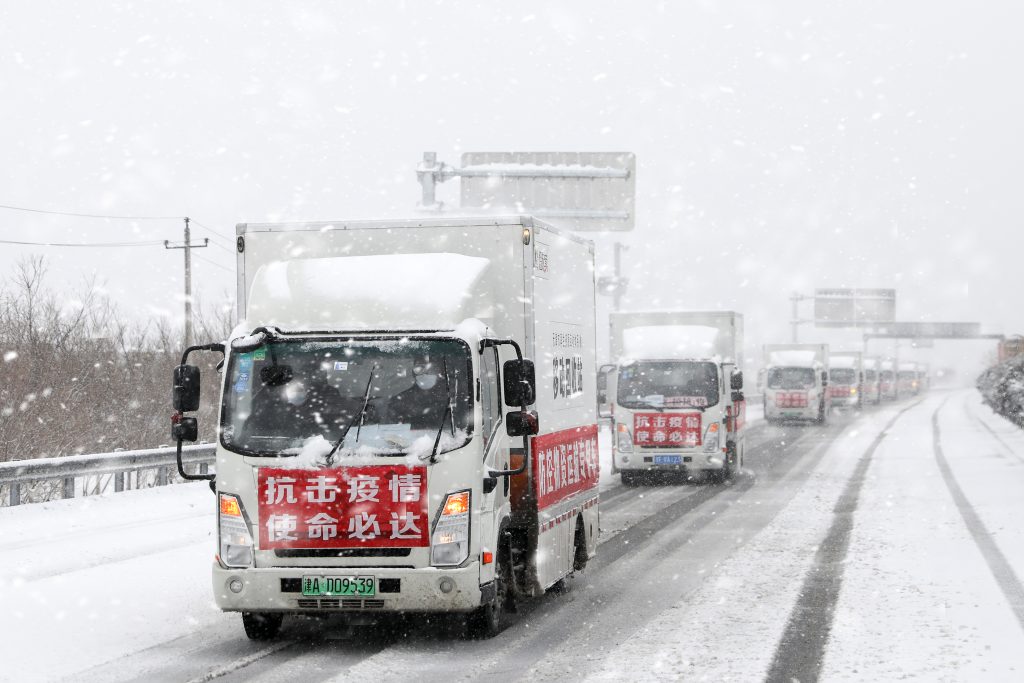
column 84, row 244
column 212, row 263
column 92, row 215
column 215, row 232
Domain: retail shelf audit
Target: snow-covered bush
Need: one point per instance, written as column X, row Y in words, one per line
column 1002, row 387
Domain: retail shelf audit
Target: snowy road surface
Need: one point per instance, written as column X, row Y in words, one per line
column 886, row 545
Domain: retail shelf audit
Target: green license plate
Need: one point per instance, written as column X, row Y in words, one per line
column 317, row 586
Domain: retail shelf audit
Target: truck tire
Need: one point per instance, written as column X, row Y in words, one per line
column 486, row 621
column 262, row 625
column 729, row 466
column 630, row 477
column 579, row 556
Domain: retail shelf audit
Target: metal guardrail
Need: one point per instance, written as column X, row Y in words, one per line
column 119, row 464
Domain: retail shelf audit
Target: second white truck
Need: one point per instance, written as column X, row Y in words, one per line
column 677, row 394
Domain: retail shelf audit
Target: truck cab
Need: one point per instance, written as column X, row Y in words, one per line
column 872, row 381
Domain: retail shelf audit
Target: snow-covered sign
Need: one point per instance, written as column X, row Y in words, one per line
column 854, row 307
column 579, row 191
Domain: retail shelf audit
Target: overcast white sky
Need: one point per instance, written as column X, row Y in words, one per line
column 781, row 146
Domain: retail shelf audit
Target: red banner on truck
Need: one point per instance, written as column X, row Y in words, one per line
column 661, row 430
column 564, row 463
column 345, row 507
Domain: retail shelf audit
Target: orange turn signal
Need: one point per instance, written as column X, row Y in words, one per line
column 488, row 557
column 229, row 506
column 456, row 504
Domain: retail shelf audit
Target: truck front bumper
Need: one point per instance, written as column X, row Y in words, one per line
column 689, row 461
column 278, row 589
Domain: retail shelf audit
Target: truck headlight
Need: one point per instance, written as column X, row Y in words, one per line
column 449, row 544
column 623, row 439
column 235, row 539
column 712, row 436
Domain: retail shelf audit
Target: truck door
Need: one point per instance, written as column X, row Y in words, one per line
column 496, row 454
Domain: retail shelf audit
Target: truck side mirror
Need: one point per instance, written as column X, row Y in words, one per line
column 185, row 393
column 603, row 400
column 522, row 423
column 520, row 380
column 738, row 396
column 824, row 378
column 184, row 428
column 736, row 381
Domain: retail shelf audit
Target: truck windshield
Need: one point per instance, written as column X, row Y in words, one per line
column 870, row 375
column 791, row 378
column 291, row 395
column 843, row 376
column 668, row 384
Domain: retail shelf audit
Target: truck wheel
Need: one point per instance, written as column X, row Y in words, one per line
column 579, row 559
column 262, row 625
column 630, row 478
column 486, row 620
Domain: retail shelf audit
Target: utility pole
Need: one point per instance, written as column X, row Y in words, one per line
column 188, row 247
column 620, row 283
column 795, row 322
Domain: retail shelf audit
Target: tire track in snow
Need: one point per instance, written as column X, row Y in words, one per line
column 1002, row 571
column 802, row 648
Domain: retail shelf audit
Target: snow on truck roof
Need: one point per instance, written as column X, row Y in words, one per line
column 388, row 291
column 803, row 358
column 842, row 361
column 672, row 341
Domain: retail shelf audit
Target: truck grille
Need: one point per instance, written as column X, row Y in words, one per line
column 340, row 603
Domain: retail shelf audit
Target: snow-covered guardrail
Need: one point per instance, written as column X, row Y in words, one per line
column 118, row 464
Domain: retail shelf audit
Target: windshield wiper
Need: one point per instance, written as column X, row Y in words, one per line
column 358, row 417
column 448, row 410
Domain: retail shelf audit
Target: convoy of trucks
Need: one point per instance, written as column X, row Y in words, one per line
column 796, row 380
column 676, row 394
column 409, row 414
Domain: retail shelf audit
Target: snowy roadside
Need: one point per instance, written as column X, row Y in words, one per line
column 94, row 579
column 730, row 627
column 918, row 598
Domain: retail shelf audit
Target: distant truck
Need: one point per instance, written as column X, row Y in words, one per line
column 386, row 442
column 908, row 383
column 677, row 394
column 796, row 382
column 887, row 378
column 872, row 380
column 846, row 378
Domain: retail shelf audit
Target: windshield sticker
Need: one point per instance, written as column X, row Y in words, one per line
column 245, row 362
column 260, row 354
column 242, row 383
column 340, row 365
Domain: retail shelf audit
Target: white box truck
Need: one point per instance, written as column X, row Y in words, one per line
column 676, row 393
column 796, row 382
column 846, row 378
column 386, row 442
